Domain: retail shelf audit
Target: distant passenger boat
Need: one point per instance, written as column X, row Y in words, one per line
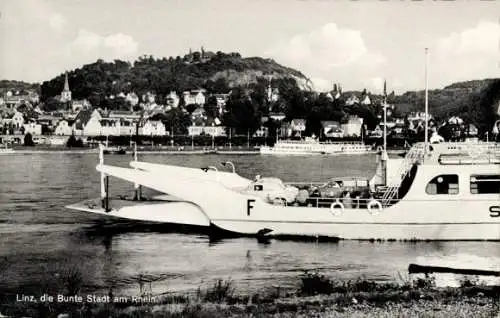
column 311, row 146
column 6, row 150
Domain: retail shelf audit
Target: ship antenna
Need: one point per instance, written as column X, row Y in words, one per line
column 384, row 157
column 137, row 187
column 426, row 132
column 103, row 177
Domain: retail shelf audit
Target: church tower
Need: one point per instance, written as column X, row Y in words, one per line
column 66, row 93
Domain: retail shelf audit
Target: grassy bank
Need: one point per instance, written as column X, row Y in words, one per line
column 315, row 296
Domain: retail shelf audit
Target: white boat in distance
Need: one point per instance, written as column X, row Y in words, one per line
column 450, row 192
column 6, row 150
column 310, row 146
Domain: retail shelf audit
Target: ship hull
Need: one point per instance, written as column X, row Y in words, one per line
column 352, row 224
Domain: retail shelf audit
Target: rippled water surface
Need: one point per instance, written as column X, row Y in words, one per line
column 40, row 239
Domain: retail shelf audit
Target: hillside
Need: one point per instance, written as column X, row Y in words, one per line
column 6, row 85
column 215, row 72
column 476, row 101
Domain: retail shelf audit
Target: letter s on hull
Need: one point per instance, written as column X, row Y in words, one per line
column 495, row 211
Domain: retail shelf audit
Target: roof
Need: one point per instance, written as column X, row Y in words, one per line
column 82, row 118
column 326, row 123
column 298, row 121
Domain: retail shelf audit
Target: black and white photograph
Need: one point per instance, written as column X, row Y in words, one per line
column 249, row 158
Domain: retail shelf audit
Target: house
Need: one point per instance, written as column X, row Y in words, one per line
column 332, row 129
column 418, row 116
column 211, row 130
column 48, row 120
column 273, row 94
column 261, row 132
column 196, row 97
column 117, row 114
column 149, row 98
column 78, row 105
column 198, row 114
column 126, row 127
column 153, row 128
column 277, row 116
column 87, row 123
column 221, row 102
column 366, row 101
column 13, row 100
column 352, row 100
column 107, row 127
column 173, row 99
column 32, row 128
column 472, row 130
column 17, row 119
column 353, row 126
column 132, row 99
column 117, row 123
column 377, row 132
column 63, row 128
column 297, row 127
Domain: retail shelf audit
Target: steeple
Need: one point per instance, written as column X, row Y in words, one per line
column 66, row 84
column 66, row 93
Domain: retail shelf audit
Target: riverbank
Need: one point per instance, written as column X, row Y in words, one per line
column 164, row 151
column 316, row 296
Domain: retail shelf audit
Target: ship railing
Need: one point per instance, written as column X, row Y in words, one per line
column 458, row 160
column 414, row 155
column 335, row 202
column 347, row 182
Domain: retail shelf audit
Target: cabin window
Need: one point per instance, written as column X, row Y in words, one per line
column 443, row 184
column 484, row 183
column 258, row 187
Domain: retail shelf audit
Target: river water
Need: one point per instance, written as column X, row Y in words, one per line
column 40, row 239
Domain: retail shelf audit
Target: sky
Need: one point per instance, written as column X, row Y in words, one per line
column 355, row 43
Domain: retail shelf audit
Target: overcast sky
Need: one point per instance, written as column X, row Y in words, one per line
column 355, row 43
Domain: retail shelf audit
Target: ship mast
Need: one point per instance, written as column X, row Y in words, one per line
column 426, row 132
column 384, row 156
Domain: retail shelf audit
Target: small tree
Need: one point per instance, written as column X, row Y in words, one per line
column 71, row 142
column 28, row 140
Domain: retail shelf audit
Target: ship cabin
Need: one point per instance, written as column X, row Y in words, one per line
column 448, row 171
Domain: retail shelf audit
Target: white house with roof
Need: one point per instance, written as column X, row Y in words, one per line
column 207, row 127
column 261, row 132
column 273, row 94
column 366, row 100
column 63, row 128
column 378, row 132
column 77, row 105
column 18, row 119
column 353, row 126
column 153, row 128
column 194, row 97
column 296, row 127
column 173, row 100
column 32, row 128
column 198, row 113
column 352, row 100
column 92, row 126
